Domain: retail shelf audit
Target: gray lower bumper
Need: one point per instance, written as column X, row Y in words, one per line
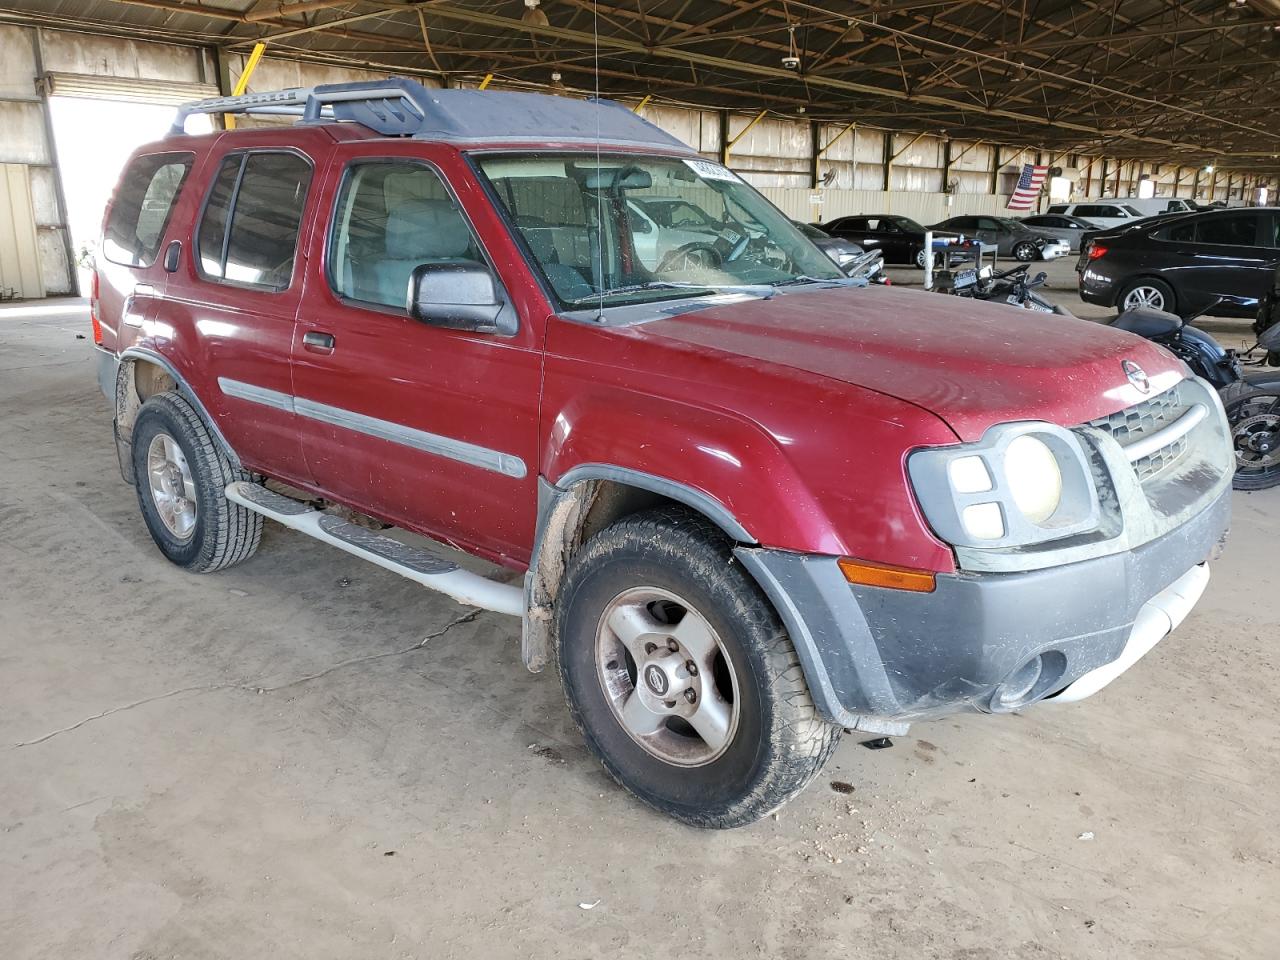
column 108, row 363
column 873, row 653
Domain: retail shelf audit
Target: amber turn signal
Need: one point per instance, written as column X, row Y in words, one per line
column 886, row 575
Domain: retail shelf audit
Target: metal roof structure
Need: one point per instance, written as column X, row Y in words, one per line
column 1185, row 82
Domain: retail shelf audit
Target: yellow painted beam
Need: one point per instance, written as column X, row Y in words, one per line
column 488, row 78
column 643, row 103
column 229, row 121
column 830, row 143
column 742, row 133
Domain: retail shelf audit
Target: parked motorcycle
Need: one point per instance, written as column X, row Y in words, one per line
column 1250, row 392
column 1015, row 287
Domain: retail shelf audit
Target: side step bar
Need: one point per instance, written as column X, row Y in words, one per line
column 418, row 565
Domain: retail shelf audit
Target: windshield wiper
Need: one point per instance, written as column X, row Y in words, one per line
column 838, row 281
column 762, row 290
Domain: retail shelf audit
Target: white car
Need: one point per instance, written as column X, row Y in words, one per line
column 662, row 225
column 1105, row 213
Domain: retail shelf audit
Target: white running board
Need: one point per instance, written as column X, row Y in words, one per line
column 420, row 566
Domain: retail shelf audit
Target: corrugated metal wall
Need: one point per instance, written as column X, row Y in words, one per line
column 19, row 256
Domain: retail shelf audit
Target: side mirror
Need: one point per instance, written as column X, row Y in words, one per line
column 459, row 296
column 639, row 225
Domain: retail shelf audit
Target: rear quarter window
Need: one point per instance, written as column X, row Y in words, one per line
column 142, row 207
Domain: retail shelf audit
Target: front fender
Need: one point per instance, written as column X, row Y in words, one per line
column 815, row 470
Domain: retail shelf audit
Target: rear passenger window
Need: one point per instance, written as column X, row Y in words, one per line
column 1229, row 231
column 140, row 213
column 390, row 218
column 249, row 231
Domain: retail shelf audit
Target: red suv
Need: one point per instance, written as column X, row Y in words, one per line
column 754, row 501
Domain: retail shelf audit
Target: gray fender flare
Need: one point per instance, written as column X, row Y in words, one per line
column 561, row 508
column 126, row 397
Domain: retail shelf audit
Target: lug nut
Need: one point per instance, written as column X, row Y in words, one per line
column 690, row 695
column 673, row 646
column 691, row 667
column 650, row 647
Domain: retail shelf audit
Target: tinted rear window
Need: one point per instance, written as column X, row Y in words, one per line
column 1238, row 231
column 142, row 207
column 249, row 231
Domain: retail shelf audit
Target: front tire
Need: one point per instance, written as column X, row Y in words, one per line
column 1025, row 252
column 1255, row 435
column 681, row 677
column 181, row 474
column 1146, row 292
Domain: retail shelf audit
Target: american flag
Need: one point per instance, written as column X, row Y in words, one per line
column 1028, row 189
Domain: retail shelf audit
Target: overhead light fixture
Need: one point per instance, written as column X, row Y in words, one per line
column 533, row 15
column 854, row 34
column 557, row 81
column 1208, row 168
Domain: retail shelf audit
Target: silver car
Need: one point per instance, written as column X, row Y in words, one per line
column 1062, row 226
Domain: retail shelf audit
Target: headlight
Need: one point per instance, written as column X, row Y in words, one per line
column 1022, row 483
column 1035, row 480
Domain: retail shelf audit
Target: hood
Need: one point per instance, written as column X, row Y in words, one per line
column 973, row 364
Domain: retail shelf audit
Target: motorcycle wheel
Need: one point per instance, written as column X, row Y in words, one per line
column 1255, row 436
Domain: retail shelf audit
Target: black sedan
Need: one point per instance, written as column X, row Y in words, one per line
column 900, row 238
column 1183, row 263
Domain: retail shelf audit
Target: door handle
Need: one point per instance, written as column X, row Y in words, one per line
column 318, row 342
column 171, row 255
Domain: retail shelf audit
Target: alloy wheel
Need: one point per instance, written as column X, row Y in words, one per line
column 667, row 676
column 1144, row 296
column 173, row 490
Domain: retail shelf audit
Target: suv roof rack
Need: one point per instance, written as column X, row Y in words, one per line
column 398, row 107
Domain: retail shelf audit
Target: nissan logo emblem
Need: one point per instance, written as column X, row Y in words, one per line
column 656, row 679
column 1136, row 375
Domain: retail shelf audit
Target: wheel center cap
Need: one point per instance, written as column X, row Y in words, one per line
column 657, row 680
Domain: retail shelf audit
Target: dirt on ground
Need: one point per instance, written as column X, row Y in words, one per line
column 309, row 757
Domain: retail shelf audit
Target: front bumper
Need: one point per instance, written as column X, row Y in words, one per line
column 1055, row 249
column 993, row 642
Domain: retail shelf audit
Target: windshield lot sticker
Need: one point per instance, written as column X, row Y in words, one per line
column 711, row 171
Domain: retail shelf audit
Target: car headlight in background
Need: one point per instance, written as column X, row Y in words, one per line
column 1022, row 483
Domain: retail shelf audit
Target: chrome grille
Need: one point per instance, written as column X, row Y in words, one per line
column 1133, row 423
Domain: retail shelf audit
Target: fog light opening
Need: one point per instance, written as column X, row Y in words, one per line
column 1032, row 681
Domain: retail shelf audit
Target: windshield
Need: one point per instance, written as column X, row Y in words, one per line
column 623, row 229
column 908, row 225
column 1133, row 210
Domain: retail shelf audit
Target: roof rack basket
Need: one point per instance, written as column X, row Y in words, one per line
column 400, row 107
column 394, row 107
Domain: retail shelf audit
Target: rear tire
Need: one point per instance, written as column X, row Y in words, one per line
column 181, row 474
column 1146, row 292
column 667, row 579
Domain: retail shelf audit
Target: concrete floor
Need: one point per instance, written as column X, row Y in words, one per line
column 308, row 757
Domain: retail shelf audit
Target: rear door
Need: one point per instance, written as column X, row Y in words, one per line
column 130, row 274
column 429, row 428
column 229, row 309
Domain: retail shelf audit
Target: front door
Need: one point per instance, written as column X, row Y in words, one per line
column 1234, row 257
column 429, row 428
